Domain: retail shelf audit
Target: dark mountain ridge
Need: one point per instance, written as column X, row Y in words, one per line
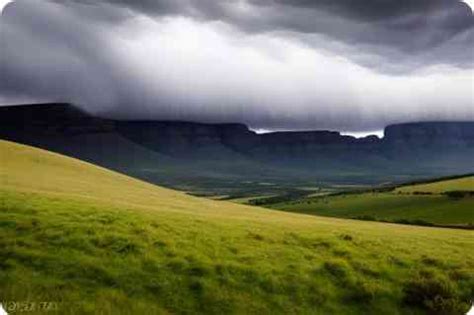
column 166, row 152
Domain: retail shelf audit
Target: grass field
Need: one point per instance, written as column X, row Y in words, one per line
column 460, row 184
column 423, row 203
column 97, row 242
column 388, row 206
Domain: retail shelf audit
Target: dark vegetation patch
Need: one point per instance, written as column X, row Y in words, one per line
column 346, row 237
column 286, row 197
column 459, row 194
column 435, row 294
column 429, row 261
column 197, row 287
column 8, row 224
column 199, row 271
column 417, row 222
column 365, row 218
column 411, row 222
column 342, row 252
column 398, row 221
column 256, row 236
column 338, row 268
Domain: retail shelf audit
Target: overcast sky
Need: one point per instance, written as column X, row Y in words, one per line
column 273, row 64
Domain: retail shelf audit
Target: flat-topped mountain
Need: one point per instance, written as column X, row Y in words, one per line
column 431, row 133
column 168, row 152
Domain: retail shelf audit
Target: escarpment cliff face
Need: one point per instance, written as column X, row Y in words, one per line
column 188, row 139
column 67, row 130
column 313, row 144
column 160, row 150
column 430, row 134
column 49, row 120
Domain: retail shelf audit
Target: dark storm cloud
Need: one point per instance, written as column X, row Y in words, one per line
column 47, row 53
column 368, row 10
column 272, row 64
column 406, row 34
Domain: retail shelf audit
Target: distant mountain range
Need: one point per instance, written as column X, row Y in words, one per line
column 195, row 156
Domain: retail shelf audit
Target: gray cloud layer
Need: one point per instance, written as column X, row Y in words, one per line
column 415, row 32
column 272, row 64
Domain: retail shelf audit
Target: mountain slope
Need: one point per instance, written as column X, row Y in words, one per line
column 89, row 240
column 229, row 159
column 175, row 158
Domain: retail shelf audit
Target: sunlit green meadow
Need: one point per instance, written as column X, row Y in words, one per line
column 97, row 242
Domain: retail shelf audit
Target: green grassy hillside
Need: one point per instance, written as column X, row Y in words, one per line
column 388, row 206
column 96, row 242
column 459, row 184
column 431, row 203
